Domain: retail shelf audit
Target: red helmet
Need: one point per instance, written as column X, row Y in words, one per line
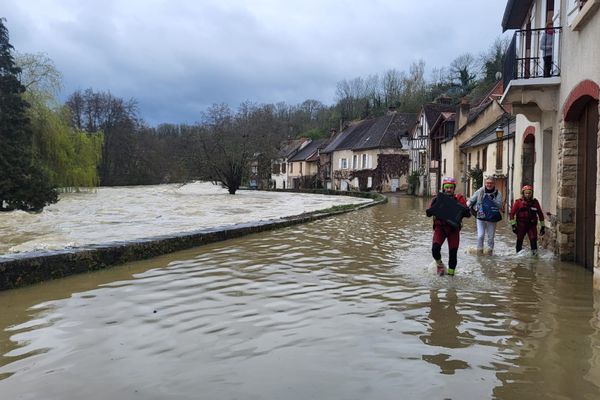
column 449, row 181
column 526, row 187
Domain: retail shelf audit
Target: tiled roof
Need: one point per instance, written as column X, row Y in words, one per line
column 433, row 111
column 372, row 133
column 488, row 134
column 289, row 147
column 309, row 150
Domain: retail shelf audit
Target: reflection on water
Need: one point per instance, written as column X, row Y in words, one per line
column 342, row 308
column 125, row 213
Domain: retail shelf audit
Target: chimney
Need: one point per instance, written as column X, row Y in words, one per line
column 463, row 114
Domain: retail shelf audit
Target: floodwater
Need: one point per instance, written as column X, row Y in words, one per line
column 124, row 213
column 343, row 308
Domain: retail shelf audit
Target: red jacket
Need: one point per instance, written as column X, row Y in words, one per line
column 526, row 211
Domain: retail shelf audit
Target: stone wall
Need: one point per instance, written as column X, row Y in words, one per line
column 567, row 191
column 28, row 268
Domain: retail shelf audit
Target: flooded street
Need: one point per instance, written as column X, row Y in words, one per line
column 343, row 308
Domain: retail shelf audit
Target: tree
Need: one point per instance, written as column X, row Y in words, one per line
column 123, row 161
column 463, row 74
column 392, row 85
column 492, row 60
column 225, row 147
column 415, row 88
column 68, row 156
column 23, row 184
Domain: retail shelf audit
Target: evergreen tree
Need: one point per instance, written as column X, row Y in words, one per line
column 23, row 185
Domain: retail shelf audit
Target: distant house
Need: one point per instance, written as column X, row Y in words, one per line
column 279, row 170
column 370, row 154
column 420, row 145
column 259, row 172
column 442, row 130
column 303, row 167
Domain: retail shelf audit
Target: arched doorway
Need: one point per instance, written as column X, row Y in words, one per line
column 585, row 214
column 528, row 159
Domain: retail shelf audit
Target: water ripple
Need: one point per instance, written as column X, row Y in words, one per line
column 347, row 307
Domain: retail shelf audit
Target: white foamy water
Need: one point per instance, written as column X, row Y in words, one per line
column 125, row 213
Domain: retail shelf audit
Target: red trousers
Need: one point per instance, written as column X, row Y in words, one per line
column 441, row 233
column 526, row 228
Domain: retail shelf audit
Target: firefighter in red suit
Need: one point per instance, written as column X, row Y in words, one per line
column 524, row 216
column 443, row 230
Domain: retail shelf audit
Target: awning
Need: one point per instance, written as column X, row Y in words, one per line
column 515, row 13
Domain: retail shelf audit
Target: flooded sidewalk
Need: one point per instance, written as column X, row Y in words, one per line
column 342, row 308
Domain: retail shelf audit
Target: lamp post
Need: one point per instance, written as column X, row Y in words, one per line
column 500, row 136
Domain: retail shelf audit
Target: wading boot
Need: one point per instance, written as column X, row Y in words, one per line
column 441, row 269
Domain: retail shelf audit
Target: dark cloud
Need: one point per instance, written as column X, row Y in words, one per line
column 178, row 57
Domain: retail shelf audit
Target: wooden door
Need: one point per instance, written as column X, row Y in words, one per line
column 585, row 218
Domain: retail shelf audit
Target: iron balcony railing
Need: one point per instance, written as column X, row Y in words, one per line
column 533, row 53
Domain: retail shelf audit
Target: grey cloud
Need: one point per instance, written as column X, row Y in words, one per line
column 178, row 57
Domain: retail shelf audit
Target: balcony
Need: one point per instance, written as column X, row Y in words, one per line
column 531, row 70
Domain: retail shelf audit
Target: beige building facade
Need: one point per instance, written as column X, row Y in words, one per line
column 557, row 118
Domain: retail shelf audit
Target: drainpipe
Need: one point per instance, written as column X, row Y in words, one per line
column 464, row 175
column 512, row 167
column 508, row 171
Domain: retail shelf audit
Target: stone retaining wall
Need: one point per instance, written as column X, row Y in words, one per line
column 23, row 269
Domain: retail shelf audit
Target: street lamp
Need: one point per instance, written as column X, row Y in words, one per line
column 499, row 132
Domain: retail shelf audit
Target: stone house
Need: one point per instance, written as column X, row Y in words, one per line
column 371, row 154
column 551, row 79
column 303, row 167
column 279, row 166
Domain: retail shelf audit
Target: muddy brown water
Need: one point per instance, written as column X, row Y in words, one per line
column 343, row 308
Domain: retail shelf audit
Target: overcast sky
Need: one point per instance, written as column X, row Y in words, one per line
column 178, row 57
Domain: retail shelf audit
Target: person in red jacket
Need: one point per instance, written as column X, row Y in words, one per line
column 442, row 230
column 524, row 216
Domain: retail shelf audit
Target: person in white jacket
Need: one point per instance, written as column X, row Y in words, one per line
column 487, row 202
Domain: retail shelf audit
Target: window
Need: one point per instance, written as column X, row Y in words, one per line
column 291, row 168
column 478, row 163
column 469, row 161
column 499, row 148
column 277, row 168
column 344, row 163
column 444, row 167
column 355, row 162
column 301, row 168
column 364, row 161
column 484, row 159
column 283, row 165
